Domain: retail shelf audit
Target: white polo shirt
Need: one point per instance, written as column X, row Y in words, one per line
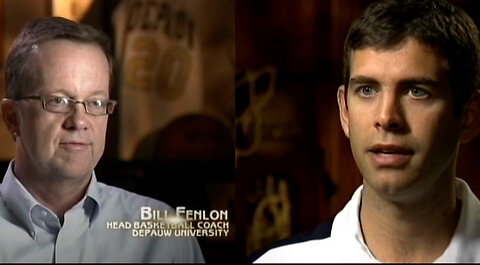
column 346, row 243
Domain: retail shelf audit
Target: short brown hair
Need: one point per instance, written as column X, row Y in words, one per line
column 20, row 73
column 435, row 23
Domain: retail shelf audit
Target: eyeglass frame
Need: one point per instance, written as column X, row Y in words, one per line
column 72, row 103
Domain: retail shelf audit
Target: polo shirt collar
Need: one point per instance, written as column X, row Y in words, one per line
column 347, row 223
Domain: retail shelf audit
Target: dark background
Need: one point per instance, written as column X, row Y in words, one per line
column 303, row 41
column 301, row 139
column 193, row 162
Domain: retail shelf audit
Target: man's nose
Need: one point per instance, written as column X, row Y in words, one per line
column 390, row 115
column 77, row 119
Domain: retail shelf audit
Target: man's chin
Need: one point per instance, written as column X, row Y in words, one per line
column 393, row 187
column 75, row 170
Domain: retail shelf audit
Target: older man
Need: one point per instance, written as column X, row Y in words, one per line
column 52, row 209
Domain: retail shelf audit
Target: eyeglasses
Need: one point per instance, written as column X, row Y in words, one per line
column 59, row 104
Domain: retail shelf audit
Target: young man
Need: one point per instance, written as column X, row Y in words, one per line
column 409, row 99
column 52, row 209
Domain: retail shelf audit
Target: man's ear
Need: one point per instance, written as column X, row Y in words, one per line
column 471, row 123
column 343, row 110
column 9, row 116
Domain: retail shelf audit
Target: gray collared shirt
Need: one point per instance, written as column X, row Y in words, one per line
column 30, row 232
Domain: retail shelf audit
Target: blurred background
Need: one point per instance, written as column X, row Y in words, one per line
column 196, row 76
column 294, row 165
column 171, row 136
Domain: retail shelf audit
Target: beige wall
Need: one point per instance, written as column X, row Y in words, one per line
column 15, row 13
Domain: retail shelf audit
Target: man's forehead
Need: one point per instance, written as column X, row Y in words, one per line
column 408, row 41
column 411, row 56
column 53, row 44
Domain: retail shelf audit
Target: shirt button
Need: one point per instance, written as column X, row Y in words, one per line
column 44, row 213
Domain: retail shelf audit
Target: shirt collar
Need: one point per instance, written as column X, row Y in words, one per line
column 347, row 223
column 92, row 198
column 20, row 202
column 17, row 199
column 461, row 246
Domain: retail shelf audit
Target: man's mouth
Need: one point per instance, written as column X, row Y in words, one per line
column 390, row 155
column 390, row 149
column 75, row 145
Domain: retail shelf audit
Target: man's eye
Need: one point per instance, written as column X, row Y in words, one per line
column 96, row 103
column 418, row 93
column 58, row 101
column 366, row 91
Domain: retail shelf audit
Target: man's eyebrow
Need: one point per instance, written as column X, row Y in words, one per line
column 422, row 81
column 419, row 81
column 68, row 93
column 363, row 80
column 99, row 93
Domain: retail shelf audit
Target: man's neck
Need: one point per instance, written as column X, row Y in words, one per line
column 58, row 195
column 417, row 231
